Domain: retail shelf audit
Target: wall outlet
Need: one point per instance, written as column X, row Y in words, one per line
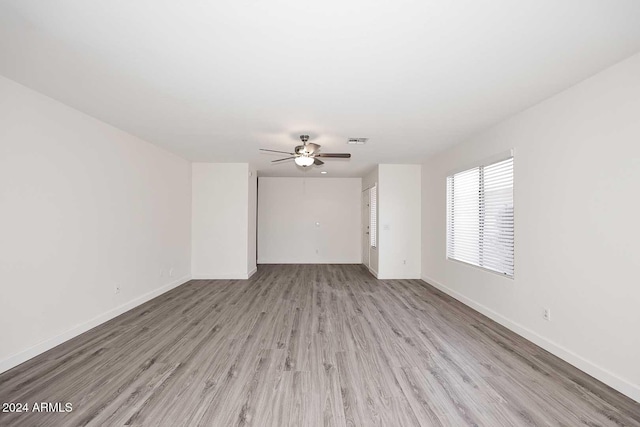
column 171, row 272
column 116, row 289
column 404, row 262
column 546, row 315
column 317, row 251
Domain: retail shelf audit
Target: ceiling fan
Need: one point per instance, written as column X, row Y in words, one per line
column 307, row 154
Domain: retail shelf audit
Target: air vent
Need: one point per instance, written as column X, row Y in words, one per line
column 357, row 141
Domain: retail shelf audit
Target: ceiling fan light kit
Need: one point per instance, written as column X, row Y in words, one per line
column 303, row 161
column 307, row 154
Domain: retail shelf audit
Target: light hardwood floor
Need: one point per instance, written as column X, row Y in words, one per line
column 308, row 345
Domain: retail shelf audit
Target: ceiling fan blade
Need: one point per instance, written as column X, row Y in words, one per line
column 312, row 148
column 276, row 151
column 317, row 162
column 309, row 148
column 335, row 155
column 280, row 160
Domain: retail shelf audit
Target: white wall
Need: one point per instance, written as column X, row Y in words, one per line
column 83, row 207
column 288, row 210
column 399, row 221
column 577, row 204
column 369, row 181
column 220, row 221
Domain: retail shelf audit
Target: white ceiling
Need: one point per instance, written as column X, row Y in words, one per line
column 217, row 80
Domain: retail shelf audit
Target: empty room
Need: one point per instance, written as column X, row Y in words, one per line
column 336, row 213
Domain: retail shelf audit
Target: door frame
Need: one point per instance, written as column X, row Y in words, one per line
column 365, row 229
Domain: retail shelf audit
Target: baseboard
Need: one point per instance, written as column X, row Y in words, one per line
column 310, row 262
column 399, row 277
column 31, row 352
column 252, row 272
column 372, row 271
column 623, row 386
column 224, row 276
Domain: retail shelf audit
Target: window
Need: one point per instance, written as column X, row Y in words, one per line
column 480, row 217
column 373, row 216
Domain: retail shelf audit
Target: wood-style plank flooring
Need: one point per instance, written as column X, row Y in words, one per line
column 308, row 345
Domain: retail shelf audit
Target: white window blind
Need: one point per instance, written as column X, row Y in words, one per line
column 480, row 217
column 373, row 216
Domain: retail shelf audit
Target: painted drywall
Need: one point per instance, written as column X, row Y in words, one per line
column 577, row 180
column 368, row 181
column 252, row 237
column 220, row 221
column 84, row 208
column 309, row 220
column 399, row 221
